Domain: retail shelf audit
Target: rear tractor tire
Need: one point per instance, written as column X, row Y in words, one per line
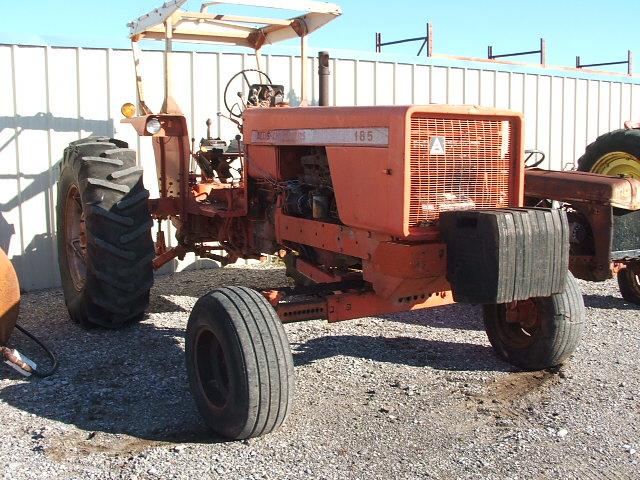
column 537, row 333
column 105, row 250
column 615, row 153
column 239, row 363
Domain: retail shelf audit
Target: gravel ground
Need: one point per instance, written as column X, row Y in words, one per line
column 415, row 395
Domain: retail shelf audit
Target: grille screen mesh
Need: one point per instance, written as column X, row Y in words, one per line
column 457, row 164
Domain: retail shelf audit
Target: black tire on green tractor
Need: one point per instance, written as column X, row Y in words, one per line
column 239, row 363
column 614, row 153
column 629, row 283
column 105, row 250
column 537, row 333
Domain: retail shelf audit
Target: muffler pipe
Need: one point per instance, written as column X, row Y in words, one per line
column 323, row 79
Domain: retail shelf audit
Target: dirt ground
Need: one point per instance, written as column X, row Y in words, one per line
column 415, row 395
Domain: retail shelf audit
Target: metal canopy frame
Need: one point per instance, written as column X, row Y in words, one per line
column 628, row 62
column 542, row 51
column 427, row 41
column 169, row 23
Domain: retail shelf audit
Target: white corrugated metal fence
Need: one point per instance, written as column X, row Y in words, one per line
column 50, row 96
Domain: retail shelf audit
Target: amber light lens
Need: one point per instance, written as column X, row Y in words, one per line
column 128, row 110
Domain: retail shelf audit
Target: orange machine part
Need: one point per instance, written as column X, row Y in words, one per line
column 9, row 298
column 469, row 169
column 350, row 305
column 402, row 184
column 356, row 305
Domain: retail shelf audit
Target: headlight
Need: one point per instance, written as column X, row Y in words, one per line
column 128, row 110
column 153, row 125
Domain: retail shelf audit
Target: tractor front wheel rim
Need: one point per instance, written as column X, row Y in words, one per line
column 519, row 323
column 211, row 368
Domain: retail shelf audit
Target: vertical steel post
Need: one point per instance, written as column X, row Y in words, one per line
column 490, row 52
column 378, row 42
column 168, row 60
column 543, row 52
column 303, row 73
column 629, row 62
column 429, row 40
column 323, row 79
column 142, row 106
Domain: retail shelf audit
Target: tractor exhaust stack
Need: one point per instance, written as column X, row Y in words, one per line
column 323, row 79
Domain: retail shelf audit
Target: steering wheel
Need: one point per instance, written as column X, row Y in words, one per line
column 531, row 154
column 236, row 108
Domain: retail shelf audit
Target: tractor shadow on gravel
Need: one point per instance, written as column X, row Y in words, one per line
column 411, row 351
column 608, row 302
column 127, row 383
column 457, row 317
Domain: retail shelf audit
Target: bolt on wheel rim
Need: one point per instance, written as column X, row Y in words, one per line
column 520, row 322
column 618, row 164
column 75, row 237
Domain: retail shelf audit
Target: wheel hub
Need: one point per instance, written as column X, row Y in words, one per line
column 75, row 237
column 520, row 322
column 211, row 368
column 618, row 164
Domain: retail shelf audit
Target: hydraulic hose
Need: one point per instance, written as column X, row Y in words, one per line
column 9, row 355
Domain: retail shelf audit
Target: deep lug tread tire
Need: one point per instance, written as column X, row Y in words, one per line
column 561, row 324
column 629, row 285
column 621, row 140
column 257, row 359
column 119, row 250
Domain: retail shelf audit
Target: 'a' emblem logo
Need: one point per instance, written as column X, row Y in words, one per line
column 436, row 146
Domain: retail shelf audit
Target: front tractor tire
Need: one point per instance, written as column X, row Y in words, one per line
column 105, row 250
column 537, row 333
column 239, row 363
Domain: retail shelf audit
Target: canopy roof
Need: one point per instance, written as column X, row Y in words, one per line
column 253, row 32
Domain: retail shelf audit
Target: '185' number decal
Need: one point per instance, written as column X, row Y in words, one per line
column 364, row 136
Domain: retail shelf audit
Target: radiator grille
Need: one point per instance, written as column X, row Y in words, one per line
column 457, row 164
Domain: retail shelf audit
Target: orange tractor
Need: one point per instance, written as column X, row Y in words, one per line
column 373, row 210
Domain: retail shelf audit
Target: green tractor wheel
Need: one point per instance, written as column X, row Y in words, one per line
column 615, row 153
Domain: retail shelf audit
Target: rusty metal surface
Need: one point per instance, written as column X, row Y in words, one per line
column 573, row 186
column 9, row 298
column 596, row 267
column 348, row 305
column 593, row 196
